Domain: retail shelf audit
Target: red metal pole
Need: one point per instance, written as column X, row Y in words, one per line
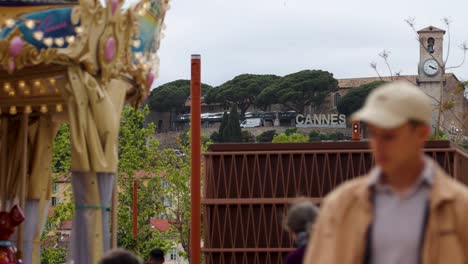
column 135, row 209
column 356, row 133
column 195, row 187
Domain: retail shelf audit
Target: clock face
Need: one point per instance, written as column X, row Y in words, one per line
column 431, row 67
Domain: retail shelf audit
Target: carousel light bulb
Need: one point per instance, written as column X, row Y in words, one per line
column 145, row 5
column 13, row 110
column 70, row 39
column 37, row 83
column 79, row 29
column 136, row 43
column 11, row 93
column 59, row 42
column 30, row 24
column 43, row 109
column 7, row 87
column 52, row 81
column 28, row 109
column 21, row 85
column 59, row 108
column 48, row 42
column 27, row 91
column 38, row 35
column 138, row 55
column 10, row 22
column 141, row 12
column 57, row 90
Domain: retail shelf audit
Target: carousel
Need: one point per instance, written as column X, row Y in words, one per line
column 77, row 62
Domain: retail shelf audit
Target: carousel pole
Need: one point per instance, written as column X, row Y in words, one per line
column 195, row 128
column 114, row 215
column 24, row 171
column 3, row 164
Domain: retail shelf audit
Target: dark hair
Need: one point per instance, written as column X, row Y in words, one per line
column 120, row 256
column 301, row 216
column 157, row 254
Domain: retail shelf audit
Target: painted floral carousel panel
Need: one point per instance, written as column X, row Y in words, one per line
column 36, row 2
column 50, row 28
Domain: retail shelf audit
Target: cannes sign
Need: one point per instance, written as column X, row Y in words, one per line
column 321, row 120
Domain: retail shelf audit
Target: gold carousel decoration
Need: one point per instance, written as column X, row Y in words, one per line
column 77, row 62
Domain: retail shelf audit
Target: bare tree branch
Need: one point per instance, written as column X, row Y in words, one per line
column 384, row 55
column 447, row 25
column 373, row 65
column 464, row 47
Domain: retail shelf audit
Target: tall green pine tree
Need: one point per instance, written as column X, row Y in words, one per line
column 224, row 123
column 232, row 132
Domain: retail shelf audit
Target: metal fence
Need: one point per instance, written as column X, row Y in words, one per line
column 248, row 188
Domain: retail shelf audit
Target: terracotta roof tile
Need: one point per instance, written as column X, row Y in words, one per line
column 356, row 82
column 161, row 225
column 66, row 225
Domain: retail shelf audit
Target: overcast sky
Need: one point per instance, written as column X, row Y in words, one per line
column 284, row 36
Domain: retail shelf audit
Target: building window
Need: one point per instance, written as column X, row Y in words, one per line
column 164, row 184
column 174, row 253
column 337, row 99
column 54, row 201
column 167, row 201
column 55, row 187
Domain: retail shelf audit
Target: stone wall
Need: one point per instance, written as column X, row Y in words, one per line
column 168, row 140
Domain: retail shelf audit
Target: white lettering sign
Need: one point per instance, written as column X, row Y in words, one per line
column 321, row 120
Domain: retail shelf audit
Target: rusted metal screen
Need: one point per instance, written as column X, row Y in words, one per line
column 248, row 187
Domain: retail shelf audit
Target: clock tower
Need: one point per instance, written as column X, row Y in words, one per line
column 430, row 70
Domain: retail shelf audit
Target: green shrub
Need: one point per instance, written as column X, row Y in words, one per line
column 266, row 136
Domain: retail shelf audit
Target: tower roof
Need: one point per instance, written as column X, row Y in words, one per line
column 431, row 29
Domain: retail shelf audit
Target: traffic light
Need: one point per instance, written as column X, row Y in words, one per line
column 356, row 126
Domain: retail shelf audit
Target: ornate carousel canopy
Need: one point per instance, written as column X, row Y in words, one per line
column 109, row 39
column 76, row 62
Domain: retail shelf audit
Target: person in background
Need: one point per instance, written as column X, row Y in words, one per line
column 120, row 256
column 156, row 256
column 407, row 210
column 299, row 221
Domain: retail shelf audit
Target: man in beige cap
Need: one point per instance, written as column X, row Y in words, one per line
column 406, row 210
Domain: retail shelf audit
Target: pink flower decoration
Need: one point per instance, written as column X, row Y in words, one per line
column 114, row 4
column 16, row 46
column 110, row 49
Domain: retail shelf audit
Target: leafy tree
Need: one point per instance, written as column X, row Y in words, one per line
column 355, row 99
column 223, row 125
column 138, row 152
column 299, row 90
column 172, row 96
column 242, row 90
column 61, row 161
column 177, row 173
column 294, row 137
column 61, row 157
column 216, row 137
column 266, row 136
column 232, row 132
column 53, row 255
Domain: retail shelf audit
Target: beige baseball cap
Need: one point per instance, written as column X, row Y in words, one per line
column 393, row 104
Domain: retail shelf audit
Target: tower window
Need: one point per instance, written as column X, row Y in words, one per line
column 430, row 45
